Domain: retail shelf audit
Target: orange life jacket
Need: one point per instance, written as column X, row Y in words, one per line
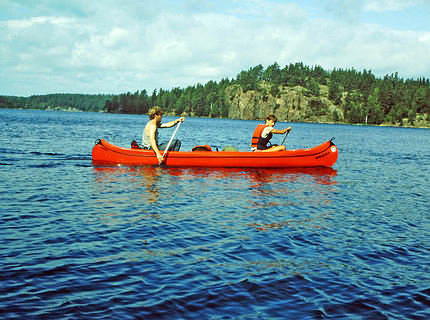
column 257, row 135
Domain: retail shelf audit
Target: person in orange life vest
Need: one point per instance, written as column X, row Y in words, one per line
column 263, row 134
column 150, row 133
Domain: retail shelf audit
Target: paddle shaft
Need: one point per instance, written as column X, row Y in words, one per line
column 171, row 139
column 285, row 137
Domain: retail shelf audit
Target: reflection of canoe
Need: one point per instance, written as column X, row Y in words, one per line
column 256, row 176
column 323, row 155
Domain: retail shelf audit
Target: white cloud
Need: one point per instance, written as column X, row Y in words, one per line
column 390, row 5
column 136, row 46
column 29, row 23
column 425, row 38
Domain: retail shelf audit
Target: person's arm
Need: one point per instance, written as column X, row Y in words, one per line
column 281, row 131
column 172, row 123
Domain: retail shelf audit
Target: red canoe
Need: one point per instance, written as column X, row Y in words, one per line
column 324, row 155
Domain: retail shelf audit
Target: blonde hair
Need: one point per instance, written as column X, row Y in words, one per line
column 154, row 111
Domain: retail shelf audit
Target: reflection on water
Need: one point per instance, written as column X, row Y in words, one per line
column 256, row 177
column 147, row 177
column 144, row 190
column 150, row 176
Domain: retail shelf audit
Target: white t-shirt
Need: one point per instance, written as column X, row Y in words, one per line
column 266, row 132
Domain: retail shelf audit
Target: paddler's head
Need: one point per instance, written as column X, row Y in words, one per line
column 155, row 113
column 271, row 120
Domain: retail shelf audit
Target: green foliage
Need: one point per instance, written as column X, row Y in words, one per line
column 65, row 101
column 348, row 95
column 273, row 75
column 313, row 87
column 317, row 107
column 5, row 102
column 248, row 79
column 335, row 92
column 373, row 109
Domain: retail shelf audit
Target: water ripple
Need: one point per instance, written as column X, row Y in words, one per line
column 84, row 242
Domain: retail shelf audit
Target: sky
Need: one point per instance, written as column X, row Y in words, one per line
column 112, row 47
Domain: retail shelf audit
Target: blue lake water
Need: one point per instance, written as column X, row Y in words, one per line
column 85, row 242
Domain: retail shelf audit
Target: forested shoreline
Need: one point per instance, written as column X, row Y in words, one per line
column 294, row 93
column 58, row 101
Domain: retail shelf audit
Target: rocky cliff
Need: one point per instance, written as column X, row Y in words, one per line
column 286, row 103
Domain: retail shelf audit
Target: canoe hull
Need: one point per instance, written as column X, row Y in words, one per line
column 323, row 155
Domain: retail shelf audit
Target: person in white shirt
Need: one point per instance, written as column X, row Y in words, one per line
column 150, row 133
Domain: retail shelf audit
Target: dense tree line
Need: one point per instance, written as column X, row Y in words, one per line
column 361, row 97
column 83, row 102
column 200, row 100
column 359, row 94
column 390, row 99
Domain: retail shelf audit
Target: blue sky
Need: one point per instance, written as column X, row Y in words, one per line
column 109, row 46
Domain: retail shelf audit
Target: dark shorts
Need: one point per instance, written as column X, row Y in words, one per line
column 174, row 146
column 261, row 147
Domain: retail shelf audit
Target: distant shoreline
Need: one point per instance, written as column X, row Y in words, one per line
column 70, row 109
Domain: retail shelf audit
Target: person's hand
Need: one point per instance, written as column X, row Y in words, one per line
column 181, row 119
column 160, row 158
column 287, row 129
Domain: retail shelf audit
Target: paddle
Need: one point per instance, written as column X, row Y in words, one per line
column 285, row 137
column 171, row 139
